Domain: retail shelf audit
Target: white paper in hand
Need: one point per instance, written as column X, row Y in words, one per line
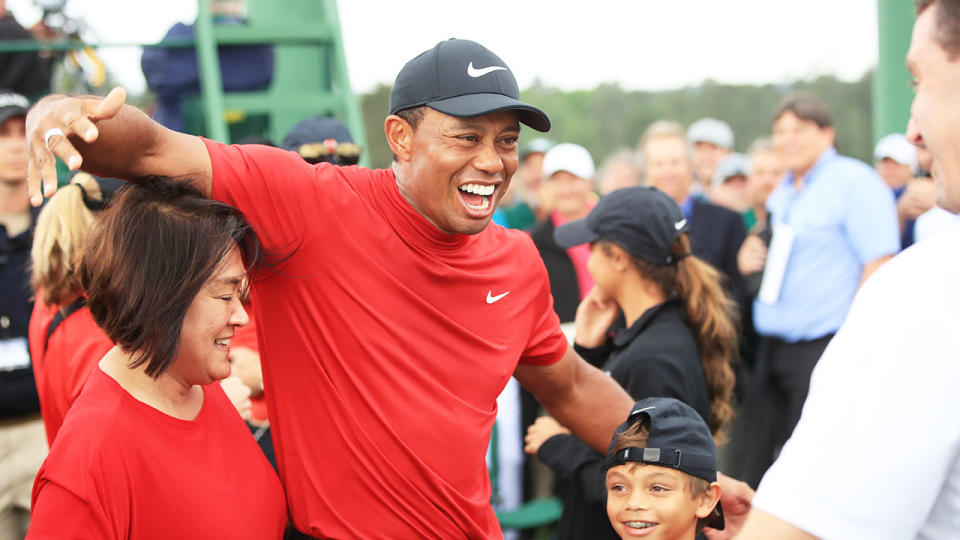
column 778, row 254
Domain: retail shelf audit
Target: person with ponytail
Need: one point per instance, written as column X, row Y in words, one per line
column 678, row 336
column 65, row 342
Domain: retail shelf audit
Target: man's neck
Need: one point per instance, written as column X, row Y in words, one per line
column 15, row 222
column 800, row 176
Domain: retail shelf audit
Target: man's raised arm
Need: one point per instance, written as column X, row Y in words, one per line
column 579, row 396
column 107, row 138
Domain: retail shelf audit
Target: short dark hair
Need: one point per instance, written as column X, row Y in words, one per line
column 947, row 32
column 805, row 107
column 413, row 115
column 149, row 255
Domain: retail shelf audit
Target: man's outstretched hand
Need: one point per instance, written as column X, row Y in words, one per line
column 736, row 497
column 50, row 123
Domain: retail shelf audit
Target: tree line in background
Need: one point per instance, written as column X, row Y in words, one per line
column 608, row 117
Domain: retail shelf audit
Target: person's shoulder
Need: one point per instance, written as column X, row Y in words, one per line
column 657, row 365
column 667, row 338
column 86, row 436
column 714, row 213
column 921, row 282
column 779, row 193
column 853, row 171
column 513, row 241
column 542, row 232
column 842, row 162
column 262, row 155
column 934, row 262
column 359, row 178
column 95, row 409
column 218, row 402
column 11, row 29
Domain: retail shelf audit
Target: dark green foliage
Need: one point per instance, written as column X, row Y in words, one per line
column 609, row 117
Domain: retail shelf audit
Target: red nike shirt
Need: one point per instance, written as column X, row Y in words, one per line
column 385, row 343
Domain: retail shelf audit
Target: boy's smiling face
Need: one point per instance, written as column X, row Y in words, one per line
column 655, row 502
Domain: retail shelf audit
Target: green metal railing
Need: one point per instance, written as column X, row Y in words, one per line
column 310, row 76
column 892, row 93
column 310, row 73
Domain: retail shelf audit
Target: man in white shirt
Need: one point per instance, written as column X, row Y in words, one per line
column 875, row 454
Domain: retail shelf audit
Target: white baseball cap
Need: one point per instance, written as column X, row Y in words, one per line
column 572, row 158
column 895, row 146
column 730, row 166
column 711, row 130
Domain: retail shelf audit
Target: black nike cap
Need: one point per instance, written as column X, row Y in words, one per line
column 642, row 220
column 462, row 78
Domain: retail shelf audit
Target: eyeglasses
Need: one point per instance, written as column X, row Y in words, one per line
column 330, row 151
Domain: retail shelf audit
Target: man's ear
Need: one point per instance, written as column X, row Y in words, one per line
column 831, row 135
column 708, row 500
column 399, row 136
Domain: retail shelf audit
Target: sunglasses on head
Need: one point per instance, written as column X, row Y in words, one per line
column 330, row 151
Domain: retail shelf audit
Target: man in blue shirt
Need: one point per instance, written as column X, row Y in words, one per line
column 839, row 221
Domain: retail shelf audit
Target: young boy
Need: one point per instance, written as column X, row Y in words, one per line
column 662, row 472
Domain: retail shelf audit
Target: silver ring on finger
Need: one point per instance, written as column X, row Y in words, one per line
column 50, row 133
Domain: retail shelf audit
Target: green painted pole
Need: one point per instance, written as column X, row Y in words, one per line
column 353, row 116
column 211, row 87
column 892, row 93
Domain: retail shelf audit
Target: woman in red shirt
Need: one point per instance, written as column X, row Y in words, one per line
column 64, row 353
column 153, row 448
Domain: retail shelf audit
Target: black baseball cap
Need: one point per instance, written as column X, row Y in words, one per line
column 321, row 138
column 679, row 439
column 643, row 220
column 316, row 129
column 12, row 104
column 462, row 78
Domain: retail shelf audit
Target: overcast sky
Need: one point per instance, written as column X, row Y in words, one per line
column 640, row 44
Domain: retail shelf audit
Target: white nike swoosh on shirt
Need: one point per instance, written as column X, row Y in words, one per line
column 491, row 299
column 474, row 72
column 679, row 225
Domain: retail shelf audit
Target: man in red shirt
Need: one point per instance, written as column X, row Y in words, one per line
column 395, row 315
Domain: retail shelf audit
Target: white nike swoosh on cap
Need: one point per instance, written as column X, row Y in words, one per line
column 679, row 225
column 474, row 72
column 491, row 299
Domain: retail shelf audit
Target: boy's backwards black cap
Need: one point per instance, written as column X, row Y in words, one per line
column 679, row 438
column 643, row 220
column 462, row 78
